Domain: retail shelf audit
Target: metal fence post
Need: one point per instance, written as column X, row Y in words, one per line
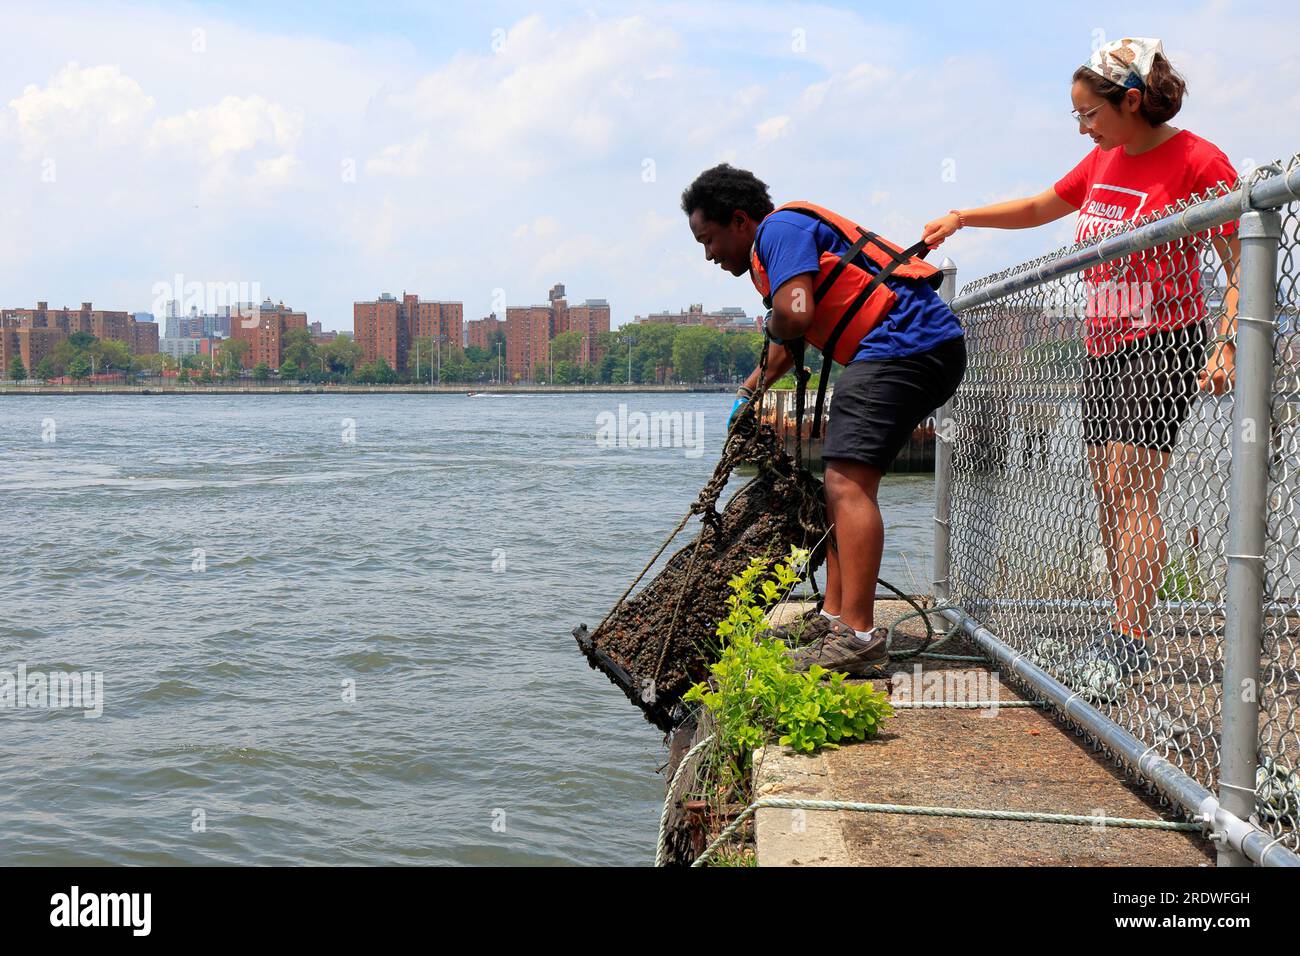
column 943, row 438
column 1260, row 232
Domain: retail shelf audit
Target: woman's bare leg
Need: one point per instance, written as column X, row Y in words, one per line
column 1137, row 475
column 1107, row 509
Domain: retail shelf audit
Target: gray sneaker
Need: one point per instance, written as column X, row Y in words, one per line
column 808, row 627
column 840, row 650
column 1104, row 670
column 1128, row 656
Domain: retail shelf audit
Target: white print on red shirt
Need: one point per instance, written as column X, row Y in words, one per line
column 1107, row 207
column 1112, row 299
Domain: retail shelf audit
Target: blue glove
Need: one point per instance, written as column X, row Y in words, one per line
column 735, row 409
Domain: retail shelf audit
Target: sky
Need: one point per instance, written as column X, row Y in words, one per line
column 322, row 153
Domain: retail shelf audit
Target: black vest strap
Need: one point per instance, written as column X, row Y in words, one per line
column 797, row 351
column 849, row 255
column 828, row 350
column 897, row 259
column 915, row 251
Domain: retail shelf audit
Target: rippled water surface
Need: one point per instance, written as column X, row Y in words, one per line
column 230, row 563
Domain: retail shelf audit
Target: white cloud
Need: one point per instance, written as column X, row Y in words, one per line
column 97, row 105
column 278, row 170
column 545, row 95
column 400, row 159
column 234, row 125
column 774, row 128
column 99, row 121
column 572, row 253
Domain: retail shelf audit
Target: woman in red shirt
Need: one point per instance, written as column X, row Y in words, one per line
column 1144, row 316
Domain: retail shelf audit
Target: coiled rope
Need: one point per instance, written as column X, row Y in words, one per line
column 661, row 852
column 1015, row 816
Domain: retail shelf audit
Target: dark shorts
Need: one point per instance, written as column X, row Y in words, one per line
column 1142, row 393
column 879, row 402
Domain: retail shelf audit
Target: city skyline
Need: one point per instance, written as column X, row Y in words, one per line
column 174, row 321
column 387, row 329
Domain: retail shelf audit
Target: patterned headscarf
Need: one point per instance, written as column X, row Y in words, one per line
column 1127, row 61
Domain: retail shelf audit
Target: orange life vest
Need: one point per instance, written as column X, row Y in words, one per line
column 848, row 300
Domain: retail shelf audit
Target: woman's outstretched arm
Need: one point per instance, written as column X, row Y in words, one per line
column 1025, row 213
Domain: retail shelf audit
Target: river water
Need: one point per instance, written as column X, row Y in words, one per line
column 335, row 629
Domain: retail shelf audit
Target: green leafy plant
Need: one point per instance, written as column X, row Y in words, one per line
column 754, row 696
column 727, row 856
column 1185, row 578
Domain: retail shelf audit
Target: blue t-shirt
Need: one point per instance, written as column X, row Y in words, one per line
column 791, row 244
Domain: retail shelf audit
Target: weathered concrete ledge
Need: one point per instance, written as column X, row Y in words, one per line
column 1004, row 759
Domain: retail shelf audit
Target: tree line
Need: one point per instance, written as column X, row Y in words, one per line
column 638, row 354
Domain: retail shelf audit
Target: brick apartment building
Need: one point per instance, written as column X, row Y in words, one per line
column 264, row 330
column 729, row 319
column 388, row 327
column 530, row 330
column 209, row 345
column 29, row 344
column 590, row 317
column 319, row 335
column 144, row 338
column 32, row 334
column 479, row 333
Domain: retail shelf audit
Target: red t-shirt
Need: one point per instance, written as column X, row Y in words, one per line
column 1160, row 288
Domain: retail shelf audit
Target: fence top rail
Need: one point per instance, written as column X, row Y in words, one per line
column 1268, row 187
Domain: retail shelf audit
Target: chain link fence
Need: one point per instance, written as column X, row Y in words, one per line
column 1115, row 522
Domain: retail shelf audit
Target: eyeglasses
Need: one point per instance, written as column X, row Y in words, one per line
column 1085, row 119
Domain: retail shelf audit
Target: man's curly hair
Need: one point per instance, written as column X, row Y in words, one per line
column 720, row 191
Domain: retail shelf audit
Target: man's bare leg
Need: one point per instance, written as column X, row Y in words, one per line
column 851, row 489
column 832, row 595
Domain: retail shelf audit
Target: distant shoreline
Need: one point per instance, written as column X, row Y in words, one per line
column 56, row 390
